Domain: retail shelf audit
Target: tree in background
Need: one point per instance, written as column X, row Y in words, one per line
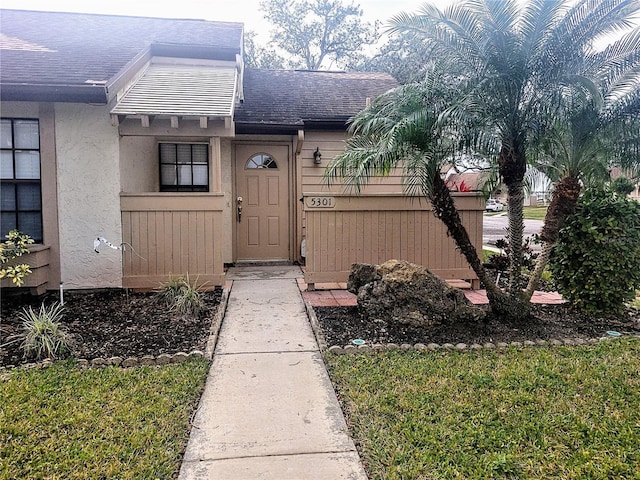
column 257, row 56
column 402, row 56
column 314, row 34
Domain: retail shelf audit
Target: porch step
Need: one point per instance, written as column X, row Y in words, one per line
column 461, row 284
column 262, row 263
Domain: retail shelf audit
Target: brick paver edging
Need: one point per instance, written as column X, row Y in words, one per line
column 150, row 360
column 377, row 347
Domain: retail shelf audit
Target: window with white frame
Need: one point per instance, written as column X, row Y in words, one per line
column 21, row 195
column 184, row 167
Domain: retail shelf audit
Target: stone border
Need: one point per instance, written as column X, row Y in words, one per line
column 214, row 331
column 315, row 326
column 150, row 360
column 460, row 347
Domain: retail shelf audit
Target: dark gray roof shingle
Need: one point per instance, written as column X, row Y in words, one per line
column 49, row 48
column 295, row 97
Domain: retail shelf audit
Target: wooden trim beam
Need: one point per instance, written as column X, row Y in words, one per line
column 300, row 142
column 174, row 122
column 204, row 121
column 144, row 121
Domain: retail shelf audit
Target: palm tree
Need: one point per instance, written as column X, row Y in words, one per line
column 403, row 128
column 520, row 58
column 592, row 134
column 507, row 69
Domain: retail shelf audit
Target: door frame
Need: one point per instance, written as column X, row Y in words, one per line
column 264, row 145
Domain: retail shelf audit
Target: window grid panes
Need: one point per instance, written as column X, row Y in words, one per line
column 21, row 198
column 184, row 167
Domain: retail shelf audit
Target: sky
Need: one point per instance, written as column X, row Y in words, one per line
column 245, row 11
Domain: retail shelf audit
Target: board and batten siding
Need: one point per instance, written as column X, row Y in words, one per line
column 169, row 235
column 331, row 144
column 376, row 228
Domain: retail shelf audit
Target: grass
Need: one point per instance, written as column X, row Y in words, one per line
column 569, row 413
column 62, row 422
column 487, row 254
column 535, row 213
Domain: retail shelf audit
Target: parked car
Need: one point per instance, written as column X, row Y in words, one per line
column 494, row 205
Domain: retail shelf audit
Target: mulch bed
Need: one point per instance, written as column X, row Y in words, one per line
column 341, row 325
column 111, row 323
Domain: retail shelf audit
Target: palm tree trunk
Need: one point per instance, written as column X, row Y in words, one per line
column 563, row 203
column 512, row 166
column 444, row 209
column 515, row 202
column 541, row 263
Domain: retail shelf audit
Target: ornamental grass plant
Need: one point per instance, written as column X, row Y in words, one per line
column 42, row 334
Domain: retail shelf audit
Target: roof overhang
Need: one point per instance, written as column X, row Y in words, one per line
column 53, row 93
column 179, row 88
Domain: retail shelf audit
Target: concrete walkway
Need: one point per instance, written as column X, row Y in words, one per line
column 268, row 410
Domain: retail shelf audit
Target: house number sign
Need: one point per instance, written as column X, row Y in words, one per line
column 321, row 202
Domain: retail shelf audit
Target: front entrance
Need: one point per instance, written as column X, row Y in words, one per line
column 262, row 207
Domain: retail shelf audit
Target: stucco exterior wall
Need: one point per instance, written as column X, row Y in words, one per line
column 87, row 149
column 139, row 169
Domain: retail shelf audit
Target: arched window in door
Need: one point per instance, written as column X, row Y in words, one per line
column 261, row 160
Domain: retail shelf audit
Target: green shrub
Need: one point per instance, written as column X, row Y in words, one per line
column 596, row 261
column 180, row 295
column 623, row 186
column 42, row 336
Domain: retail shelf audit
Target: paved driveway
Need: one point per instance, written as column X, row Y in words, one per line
column 495, row 227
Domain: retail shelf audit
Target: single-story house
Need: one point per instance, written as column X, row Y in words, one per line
column 150, row 135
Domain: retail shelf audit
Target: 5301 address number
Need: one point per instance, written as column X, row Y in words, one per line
column 321, row 202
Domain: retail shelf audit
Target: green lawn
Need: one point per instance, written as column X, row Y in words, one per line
column 487, row 254
column 535, row 413
column 62, row 422
column 535, row 213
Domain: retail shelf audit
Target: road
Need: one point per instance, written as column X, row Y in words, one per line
column 495, row 227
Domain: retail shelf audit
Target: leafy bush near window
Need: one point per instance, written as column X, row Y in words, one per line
column 596, row 261
column 15, row 245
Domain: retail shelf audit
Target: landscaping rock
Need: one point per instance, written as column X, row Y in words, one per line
column 116, row 361
column 179, row 357
column 163, row 359
column 148, row 360
column 406, row 293
column 130, row 362
column 98, row 362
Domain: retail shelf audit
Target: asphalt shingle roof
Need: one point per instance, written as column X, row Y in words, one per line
column 50, row 48
column 60, row 52
column 293, row 97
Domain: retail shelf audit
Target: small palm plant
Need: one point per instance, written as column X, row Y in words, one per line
column 181, row 296
column 42, row 335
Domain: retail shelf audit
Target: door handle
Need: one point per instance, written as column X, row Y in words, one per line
column 239, row 208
